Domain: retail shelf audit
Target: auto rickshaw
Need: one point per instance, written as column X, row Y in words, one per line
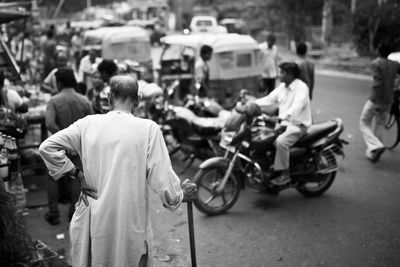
column 233, row 66
column 122, row 43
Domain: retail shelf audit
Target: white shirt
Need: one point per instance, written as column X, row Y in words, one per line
column 86, row 66
column 123, row 157
column 268, row 60
column 51, row 81
column 293, row 102
column 202, row 71
column 14, row 99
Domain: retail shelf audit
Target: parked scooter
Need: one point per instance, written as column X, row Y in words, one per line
column 249, row 156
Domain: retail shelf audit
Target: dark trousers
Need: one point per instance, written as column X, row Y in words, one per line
column 143, row 260
column 269, row 84
column 64, row 190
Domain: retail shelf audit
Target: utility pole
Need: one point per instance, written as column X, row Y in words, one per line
column 327, row 22
column 88, row 3
column 58, row 9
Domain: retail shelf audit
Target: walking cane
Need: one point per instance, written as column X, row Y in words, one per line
column 191, row 233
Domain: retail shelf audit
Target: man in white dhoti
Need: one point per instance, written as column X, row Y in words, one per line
column 123, row 157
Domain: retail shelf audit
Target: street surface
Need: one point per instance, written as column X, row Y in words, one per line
column 355, row 223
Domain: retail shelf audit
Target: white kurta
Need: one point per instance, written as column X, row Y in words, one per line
column 122, row 156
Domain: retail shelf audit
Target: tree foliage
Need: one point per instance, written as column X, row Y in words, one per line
column 71, row 6
column 376, row 23
column 290, row 16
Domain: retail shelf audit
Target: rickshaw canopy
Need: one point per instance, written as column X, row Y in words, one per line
column 120, row 43
column 234, row 55
column 219, row 42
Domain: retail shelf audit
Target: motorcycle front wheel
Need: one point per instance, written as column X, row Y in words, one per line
column 209, row 201
column 323, row 178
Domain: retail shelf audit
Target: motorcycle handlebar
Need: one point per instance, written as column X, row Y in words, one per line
column 273, row 119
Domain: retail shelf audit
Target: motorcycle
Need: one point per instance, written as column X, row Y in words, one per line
column 192, row 129
column 249, row 156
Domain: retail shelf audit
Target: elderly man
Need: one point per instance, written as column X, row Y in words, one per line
column 292, row 99
column 123, row 158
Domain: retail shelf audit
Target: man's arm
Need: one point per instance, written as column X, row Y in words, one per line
column 160, row 175
column 52, row 150
column 16, row 99
column 47, row 85
column 269, row 101
column 377, row 76
column 51, row 123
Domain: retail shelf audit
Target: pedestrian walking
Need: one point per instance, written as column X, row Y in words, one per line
column 202, row 70
column 269, row 59
column 76, row 47
column 49, row 53
column 96, row 95
column 64, row 109
column 377, row 107
column 306, row 67
column 49, row 84
column 86, row 67
column 123, row 158
column 25, row 49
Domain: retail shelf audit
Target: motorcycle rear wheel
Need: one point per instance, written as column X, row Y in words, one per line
column 326, row 161
column 208, row 200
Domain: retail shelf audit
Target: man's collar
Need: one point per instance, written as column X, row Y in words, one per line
column 292, row 85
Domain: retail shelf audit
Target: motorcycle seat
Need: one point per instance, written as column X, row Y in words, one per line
column 316, row 132
column 209, row 130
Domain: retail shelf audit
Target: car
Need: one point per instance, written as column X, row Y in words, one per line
column 233, row 25
column 203, row 24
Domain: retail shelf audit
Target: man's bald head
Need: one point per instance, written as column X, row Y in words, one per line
column 122, row 88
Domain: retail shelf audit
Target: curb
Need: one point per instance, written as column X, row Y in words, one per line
column 344, row 74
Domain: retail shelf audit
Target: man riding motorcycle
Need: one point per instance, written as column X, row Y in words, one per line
column 291, row 97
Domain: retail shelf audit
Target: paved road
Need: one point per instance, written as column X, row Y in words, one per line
column 356, row 223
